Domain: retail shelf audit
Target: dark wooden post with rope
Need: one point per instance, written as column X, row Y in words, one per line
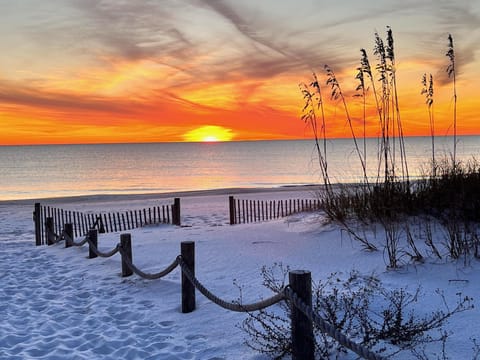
column 303, row 347
column 176, row 212
column 93, row 243
column 188, row 289
column 37, row 218
column 231, row 203
column 49, row 233
column 126, row 244
column 68, row 229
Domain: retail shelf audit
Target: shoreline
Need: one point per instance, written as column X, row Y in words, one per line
column 165, row 195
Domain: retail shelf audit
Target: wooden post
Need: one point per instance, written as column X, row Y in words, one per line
column 126, row 244
column 188, row 289
column 49, row 233
column 93, row 236
column 37, row 219
column 302, row 329
column 68, row 229
column 231, row 203
column 176, row 212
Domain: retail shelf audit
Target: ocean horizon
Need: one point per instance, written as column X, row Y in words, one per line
column 50, row 171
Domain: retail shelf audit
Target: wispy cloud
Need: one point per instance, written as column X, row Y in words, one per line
column 32, row 97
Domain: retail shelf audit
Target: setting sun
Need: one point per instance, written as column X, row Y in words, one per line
column 209, row 133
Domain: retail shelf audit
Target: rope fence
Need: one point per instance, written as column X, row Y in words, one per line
column 148, row 276
column 232, row 306
column 298, row 293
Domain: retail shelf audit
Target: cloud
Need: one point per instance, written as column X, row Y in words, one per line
column 133, row 30
column 23, row 96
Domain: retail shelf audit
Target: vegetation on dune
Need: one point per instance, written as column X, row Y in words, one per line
column 448, row 194
column 409, row 214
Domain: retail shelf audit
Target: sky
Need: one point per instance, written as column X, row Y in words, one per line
column 113, row 71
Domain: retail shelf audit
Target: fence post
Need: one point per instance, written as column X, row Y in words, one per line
column 302, row 328
column 126, row 244
column 231, row 202
column 93, row 237
column 49, row 234
column 68, row 229
column 188, row 289
column 37, row 218
column 176, row 212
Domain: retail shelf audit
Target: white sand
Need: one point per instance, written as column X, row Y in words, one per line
column 57, row 304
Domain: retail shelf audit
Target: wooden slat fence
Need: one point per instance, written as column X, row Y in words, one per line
column 244, row 211
column 105, row 222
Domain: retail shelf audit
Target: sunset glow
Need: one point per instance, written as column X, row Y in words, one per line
column 154, row 71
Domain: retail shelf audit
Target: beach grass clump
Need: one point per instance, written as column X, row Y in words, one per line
column 453, row 192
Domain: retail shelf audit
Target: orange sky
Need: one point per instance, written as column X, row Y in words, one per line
column 108, row 72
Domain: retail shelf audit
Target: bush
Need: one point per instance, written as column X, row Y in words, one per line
column 383, row 320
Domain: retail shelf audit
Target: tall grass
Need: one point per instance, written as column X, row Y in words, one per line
column 451, row 71
column 428, row 91
column 312, row 95
column 337, row 94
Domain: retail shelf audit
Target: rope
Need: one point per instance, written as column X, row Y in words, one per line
column 57, row 237
column 81, row 243
column 224, row 304
column 328, row 328
column 145, row 275
column 102, row 254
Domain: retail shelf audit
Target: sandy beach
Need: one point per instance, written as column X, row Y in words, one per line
column 56, row 303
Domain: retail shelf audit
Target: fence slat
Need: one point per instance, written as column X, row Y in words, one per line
column 123, row 221
column 128, row 221
column 105, row 223
column 118, row 221
column 63, row 217
column 243, row 210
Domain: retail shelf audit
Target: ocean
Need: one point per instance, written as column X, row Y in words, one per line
column 45, row 171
